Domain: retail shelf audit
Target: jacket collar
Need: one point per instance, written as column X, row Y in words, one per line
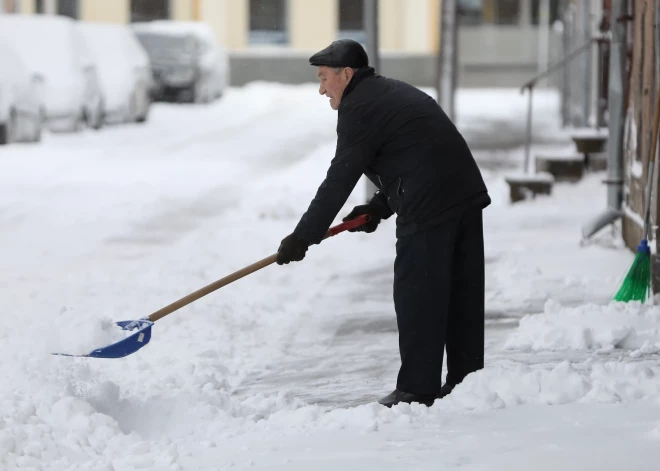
column 359, row 76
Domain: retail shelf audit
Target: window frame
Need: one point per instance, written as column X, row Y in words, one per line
column 267, row 36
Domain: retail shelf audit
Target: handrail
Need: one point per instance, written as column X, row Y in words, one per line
column 529, row 85
column 572, row 55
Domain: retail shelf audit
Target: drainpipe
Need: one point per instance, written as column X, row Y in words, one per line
column 448, row 58
column 370, row 22
column 616, row 112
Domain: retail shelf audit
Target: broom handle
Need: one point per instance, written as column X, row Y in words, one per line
column 652, row 164
column 176, row 305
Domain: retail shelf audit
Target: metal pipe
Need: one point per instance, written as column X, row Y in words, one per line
column 616, row 112
column 528, row 134
column 617, row 103
column 587, row 65
column 370, row 20
column 566, row 76
column 448, row 57
column 371, row 30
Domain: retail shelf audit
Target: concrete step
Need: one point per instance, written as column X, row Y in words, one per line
column 527, row 186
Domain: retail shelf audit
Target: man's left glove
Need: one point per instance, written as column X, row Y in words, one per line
column 292, row 249
column 369, row 209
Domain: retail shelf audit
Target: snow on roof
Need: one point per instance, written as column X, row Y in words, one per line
column 197, row 28
column 46, row 43
column 112, row 42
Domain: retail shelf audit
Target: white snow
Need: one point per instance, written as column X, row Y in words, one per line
column 281, row 370
column 60, row 63
column 81, row 334
column 636, row 169
column 589, row 327
column 590, row 132
column 116, row 61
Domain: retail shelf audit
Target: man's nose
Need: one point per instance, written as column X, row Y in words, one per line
column 321, row 90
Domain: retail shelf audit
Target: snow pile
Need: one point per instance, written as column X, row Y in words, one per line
column 67, row 433
column 490, row 388
column 630, row 326
column 607, row 383
column 80, row 334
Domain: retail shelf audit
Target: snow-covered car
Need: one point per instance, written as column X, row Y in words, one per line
column 52, row 46
column 20, row 99
column 187, row 61
column 124, row 71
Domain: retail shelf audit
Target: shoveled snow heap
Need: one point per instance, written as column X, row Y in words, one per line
column 630, row 326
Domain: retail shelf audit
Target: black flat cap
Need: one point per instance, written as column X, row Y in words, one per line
column 341, row 53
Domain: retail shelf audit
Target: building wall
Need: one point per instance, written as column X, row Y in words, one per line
column 390, row 24
column 312, row 24
column 637, row 143
column 182, row 10
column 214, row 12
column 27, row 7
column 415, row 26
column 116, row 11
column 237, row 23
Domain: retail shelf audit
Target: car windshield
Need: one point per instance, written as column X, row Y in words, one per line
column 165, row 46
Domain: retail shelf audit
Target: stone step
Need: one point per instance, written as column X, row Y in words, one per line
column 527, row 186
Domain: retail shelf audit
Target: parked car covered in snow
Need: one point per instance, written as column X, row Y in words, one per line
column 53, row 47
column 187, row 62
column 124, row 71
column 20, row 99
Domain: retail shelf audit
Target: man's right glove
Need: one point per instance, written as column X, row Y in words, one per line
column 292, row 249
column 374, row 214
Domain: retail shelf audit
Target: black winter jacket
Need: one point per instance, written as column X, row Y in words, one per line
column 400, row 138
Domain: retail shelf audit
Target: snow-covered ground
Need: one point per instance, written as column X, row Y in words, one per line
column 281, row 370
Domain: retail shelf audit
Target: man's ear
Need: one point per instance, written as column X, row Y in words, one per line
column 349, row 72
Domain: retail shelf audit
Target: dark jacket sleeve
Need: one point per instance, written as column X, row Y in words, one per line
column 358, row 140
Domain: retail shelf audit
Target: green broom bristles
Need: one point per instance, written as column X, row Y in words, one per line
column 636, row 286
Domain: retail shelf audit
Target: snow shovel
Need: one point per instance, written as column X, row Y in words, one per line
column 142, row 327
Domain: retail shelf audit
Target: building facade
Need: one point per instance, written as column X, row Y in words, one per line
column 501, row 41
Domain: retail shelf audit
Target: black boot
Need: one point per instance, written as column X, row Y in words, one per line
column 398, row 396
column 446, row 390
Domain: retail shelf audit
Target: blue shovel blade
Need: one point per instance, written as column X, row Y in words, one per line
column 124, row 347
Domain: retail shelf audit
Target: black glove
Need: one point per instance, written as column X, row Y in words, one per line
column 292, row 249
column 374, row 213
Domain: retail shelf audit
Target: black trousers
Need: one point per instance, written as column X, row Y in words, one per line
column 439, row 302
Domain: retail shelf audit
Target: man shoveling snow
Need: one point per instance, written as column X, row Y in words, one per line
column 408, row 147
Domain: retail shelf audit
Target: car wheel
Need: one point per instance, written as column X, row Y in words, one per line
column 12, row 127
column 97, row 123
column 36, row 135
column 188, row 95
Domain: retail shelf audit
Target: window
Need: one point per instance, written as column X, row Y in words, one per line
column 554, row 11
column 148, row 10
column 507, row 12
column 68, row 8
column 351, row 15
column 351, row 20
column 470, row 12
column 268, row 22
column 499, row 12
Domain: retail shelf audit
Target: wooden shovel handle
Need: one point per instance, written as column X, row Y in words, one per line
column 176, row 305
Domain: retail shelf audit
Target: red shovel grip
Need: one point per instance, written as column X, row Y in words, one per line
column 352, row 224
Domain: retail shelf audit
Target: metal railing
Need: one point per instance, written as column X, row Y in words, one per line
column 531, row 83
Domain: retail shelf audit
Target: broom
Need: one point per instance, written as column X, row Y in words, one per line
column 636, row 286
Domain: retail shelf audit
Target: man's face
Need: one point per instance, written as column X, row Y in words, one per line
column 333, row 83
